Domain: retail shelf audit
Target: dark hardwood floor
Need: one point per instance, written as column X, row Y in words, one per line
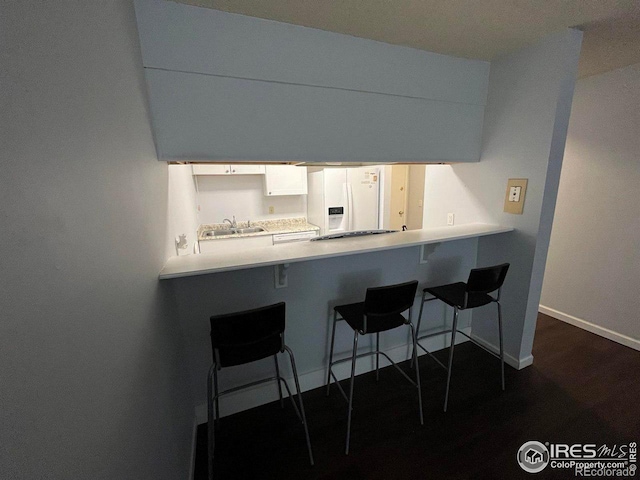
column 581, row 389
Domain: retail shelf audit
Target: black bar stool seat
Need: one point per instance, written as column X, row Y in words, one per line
column 457, row 295
column 354, row 315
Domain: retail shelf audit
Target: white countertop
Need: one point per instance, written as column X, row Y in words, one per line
column 203, row 264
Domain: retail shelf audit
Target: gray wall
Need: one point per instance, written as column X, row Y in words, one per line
column 92, row 379
column 525, row 125
column 527, row 115
column 593, row 268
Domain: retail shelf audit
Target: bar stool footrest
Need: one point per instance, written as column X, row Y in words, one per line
column 367, row 354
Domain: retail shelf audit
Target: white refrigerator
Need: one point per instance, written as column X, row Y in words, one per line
column 344, row 199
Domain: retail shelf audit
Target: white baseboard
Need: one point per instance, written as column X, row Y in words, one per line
column 194, row 440
column 517, row 363
column 266, row 393
column 592, row 327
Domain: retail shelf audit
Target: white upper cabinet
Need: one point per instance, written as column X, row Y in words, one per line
column 213, row 169
column 220, row 169
column 226, row 87
column 285, row 180
column 247, row 169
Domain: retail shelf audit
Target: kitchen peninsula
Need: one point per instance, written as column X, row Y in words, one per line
column 303, row 251
column 319, row 274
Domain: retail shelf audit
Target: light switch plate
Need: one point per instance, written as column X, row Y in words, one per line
column 514, row 198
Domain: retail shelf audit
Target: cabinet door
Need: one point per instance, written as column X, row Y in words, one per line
column 219, row 169
column 285, row 180
column 247, row 169
column 211, row 169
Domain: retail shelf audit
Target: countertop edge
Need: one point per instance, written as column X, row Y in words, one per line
column 204, row 264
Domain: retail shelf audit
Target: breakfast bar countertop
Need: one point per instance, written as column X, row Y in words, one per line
column 191, row 265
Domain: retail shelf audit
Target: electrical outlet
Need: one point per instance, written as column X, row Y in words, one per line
column 514, row 194
column 450, row 218
column 272, row 210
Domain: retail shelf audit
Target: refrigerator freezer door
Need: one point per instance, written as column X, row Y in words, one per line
column 335, row 196
column 364, row 197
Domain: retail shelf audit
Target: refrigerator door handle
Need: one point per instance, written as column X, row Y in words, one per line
column 347, row 218
column 350, row 205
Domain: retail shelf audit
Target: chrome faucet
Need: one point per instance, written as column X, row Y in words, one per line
column 233, row 223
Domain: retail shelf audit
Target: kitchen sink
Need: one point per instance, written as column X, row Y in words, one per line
column 217, row 233
column 232, row 231
column 249, row 230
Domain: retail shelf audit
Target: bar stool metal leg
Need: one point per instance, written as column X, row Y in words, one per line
column 275, row 358
column 353, row 371
column 453, row 341
column 333, row 337
column 414, row 355
column 210, row 426
column 413, row 337
column 216, row 418
column 304, row 417
column 377, row 356
column 501, row 345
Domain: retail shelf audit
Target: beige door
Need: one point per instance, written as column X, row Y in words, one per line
column 415, row 196
column 398, row 199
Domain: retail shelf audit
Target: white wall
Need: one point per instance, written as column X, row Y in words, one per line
column 593, row 267
column 92, row 380
column 222, row 196
column 445, row 192
column 182, row 213
column 525, row 125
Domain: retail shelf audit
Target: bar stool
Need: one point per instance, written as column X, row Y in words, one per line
column 381, row 310
column 243, row 337
column 462, row 296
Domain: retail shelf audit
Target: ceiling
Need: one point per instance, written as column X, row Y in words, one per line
column 480, row 29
